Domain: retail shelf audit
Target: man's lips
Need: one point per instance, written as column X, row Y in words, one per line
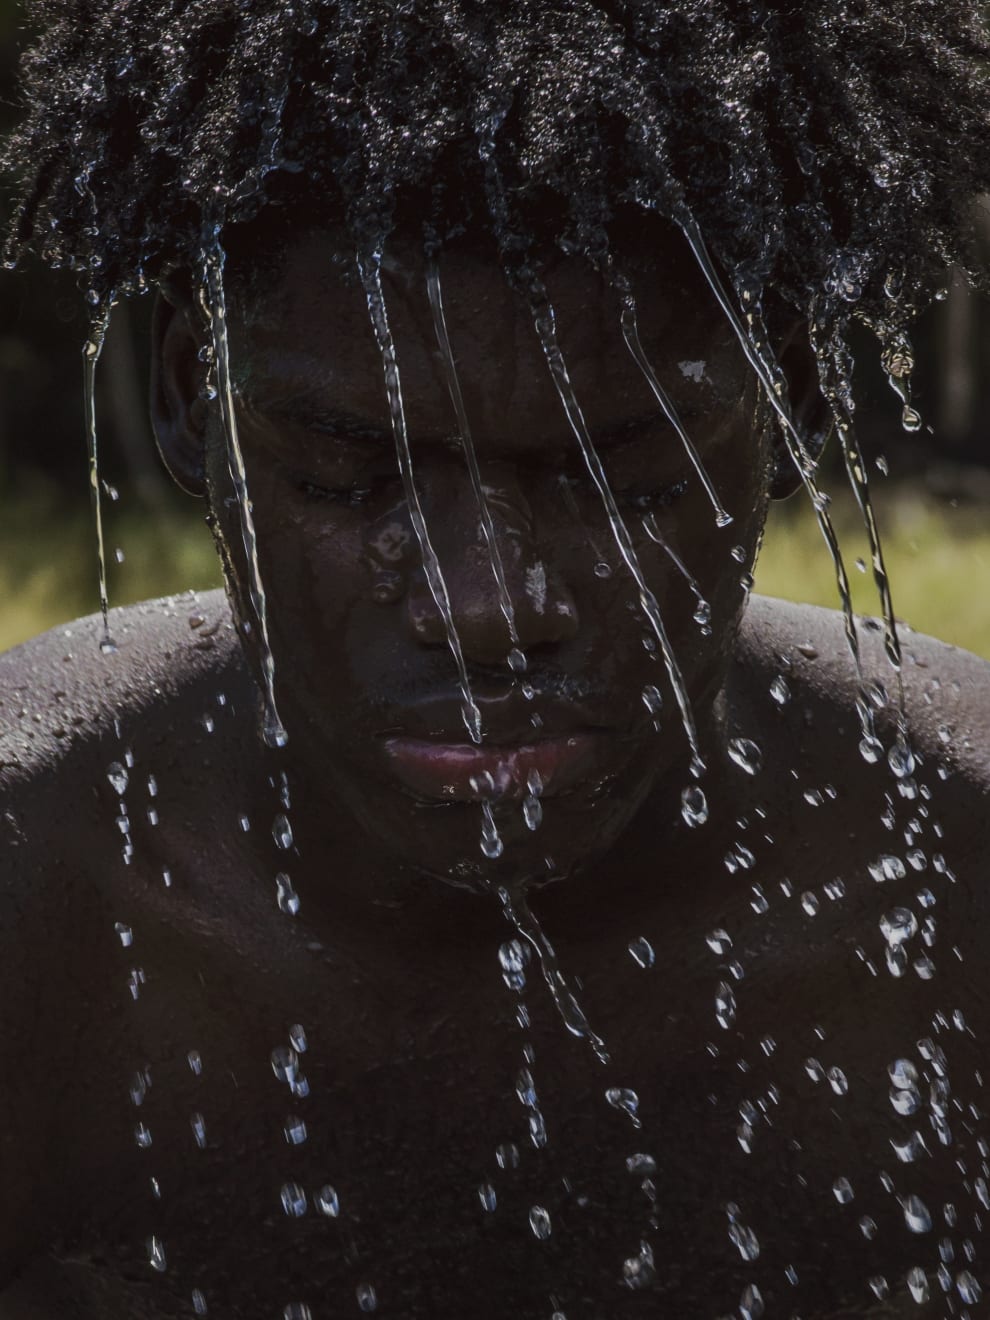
column 462, row 772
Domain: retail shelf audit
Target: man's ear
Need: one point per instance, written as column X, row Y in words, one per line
column 178, row 410
column 809, row 410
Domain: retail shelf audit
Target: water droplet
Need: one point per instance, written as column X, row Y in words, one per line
column 285, row 1062
column 916, row 1214
column 326, row 1202
column 900, row 758
column 843, row 1191
column 195, row 1062
column 917, row 1283
column 868, row 1228
column 746, row 754
column 286, row 896
column 507, row 1155
column 652, row 700
column 293, row 1200
column 539, row 1222
column 487, row 1197
column 694, row 806
column 644, row 1166
column 297, row 1038
column 156, row 1254
column 118, row 777
column 751, row 1303
column 780, row 691
column 838, row 1081
column 898, row 925
column 810, row 903
column 124, row 933
column 621, row 1097
column 282, row 832
column 142, row 1136
column 602, row 570
column 905, row 1100
column 879, row 1287
column 641, row 950
column 887, row 867
column 910, row 418
column 532, row 811
column 513, row 957
column 491, row 840
column 745, row 1240
column 198, row 1125
column 198, row 1302
column 725, row 1005
column 517, row 661
column 719, row 941
column 968, row 1288
column 297, row 1311
column 295, row 1130
column 367, row 1298
column 639, row 1271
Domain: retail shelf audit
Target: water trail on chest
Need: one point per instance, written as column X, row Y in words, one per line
column 273, row 731
column 516, row 658
column 630, row 333
column 91, row 357
column 546, row 329
column 768, row 372
column 369, row 267
column 520, row 916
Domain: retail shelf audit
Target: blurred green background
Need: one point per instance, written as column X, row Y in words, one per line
column 933, row 506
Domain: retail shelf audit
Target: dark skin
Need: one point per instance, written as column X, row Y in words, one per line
column 414, row 1044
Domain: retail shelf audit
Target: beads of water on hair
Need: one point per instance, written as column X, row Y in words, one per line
column 887, row 867
column 694, row 806
column 905, row 1100
column 725, row 1005
column 641, row 951
column 898, row 925
column 487, row 1197
column 868, row 1228
column 285, row 1063
column 156, row 1254
column 842, row 1191
column 118, row 777
column 124, row 934
column 293, row 1199
column 838, row 1081
column 916, row 1214
column 539, row 1222
column 513, row 956
column 198, row 1125
column 327, row 1202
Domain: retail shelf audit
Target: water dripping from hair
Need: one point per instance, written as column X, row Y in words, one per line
column 369, row 267
column 92, row 349
column 517, row 658
column 630, row 333
column 545, row 323
column 770, row 376
column 273, row 731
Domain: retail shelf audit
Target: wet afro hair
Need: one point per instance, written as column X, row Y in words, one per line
column 829, row 150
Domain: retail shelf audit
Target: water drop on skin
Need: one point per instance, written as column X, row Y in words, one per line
column 641, row 951
column 284, row 1062
column 725, row 1005
column 198, row 1302
column 639, row 1271
column 294, row 1130
column 842, row 1190
column 487, row 1197
column 195, row 1062
column 780, row 691
column 512, row 957
column 286, row 896
column 507, row 1155
column 745, row 1240
column 746, row 754
column 282, row 832
column 124, row 934
column 118, row 777
column 156, row 1254
column 326, row 1202
column 898, row 925
column 751, row 1305
column 539, row 1222
column 491, row 840
column 719, row 941
column 838, row 1081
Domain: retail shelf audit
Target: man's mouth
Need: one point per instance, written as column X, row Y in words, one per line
column 462, row 772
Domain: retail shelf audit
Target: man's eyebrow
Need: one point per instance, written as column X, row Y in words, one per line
column 310, row 407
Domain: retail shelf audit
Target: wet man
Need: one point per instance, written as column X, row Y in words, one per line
column 595, row 943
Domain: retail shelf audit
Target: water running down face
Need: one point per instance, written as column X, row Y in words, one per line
column 366, row 684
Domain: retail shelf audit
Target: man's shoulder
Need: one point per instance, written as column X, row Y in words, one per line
column 796, row 661
column 61, row 693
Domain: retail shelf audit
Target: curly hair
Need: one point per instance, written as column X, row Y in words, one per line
column 825, row 148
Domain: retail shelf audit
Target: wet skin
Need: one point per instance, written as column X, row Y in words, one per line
column 414, row 1045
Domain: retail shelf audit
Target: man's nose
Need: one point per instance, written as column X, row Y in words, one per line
column 543, row 609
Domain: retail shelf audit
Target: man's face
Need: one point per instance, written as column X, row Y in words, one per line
column 365, row 680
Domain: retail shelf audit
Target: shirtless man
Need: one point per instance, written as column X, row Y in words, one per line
column 387, row 1019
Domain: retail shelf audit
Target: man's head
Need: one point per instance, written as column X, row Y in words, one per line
column 516, row 146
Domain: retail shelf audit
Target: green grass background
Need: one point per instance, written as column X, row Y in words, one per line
column 938, row 557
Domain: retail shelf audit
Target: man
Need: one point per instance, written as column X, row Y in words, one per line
column 588, row 947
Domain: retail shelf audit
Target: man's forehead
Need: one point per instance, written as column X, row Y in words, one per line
column 310, row 338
